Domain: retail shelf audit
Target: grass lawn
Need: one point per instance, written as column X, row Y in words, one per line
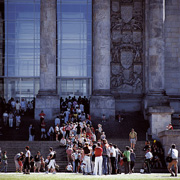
column 62, row 176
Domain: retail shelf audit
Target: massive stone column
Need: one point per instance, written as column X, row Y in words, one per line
column 101, row 102
column 47, row 98
column 156, row 101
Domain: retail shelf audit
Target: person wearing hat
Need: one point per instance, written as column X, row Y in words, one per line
column 86, row 154
column 173, row 152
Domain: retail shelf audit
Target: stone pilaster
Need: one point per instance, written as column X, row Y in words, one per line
column 47, row 98
column 101, row 98
column 156, row 102
column 156, row 46
column 154, row 68
column 160, row 117
column 169, row 137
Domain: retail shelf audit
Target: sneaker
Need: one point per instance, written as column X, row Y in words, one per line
column 54, row 172
column 172, row 175
column 47, row 172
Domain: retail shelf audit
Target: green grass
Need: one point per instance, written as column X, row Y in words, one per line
column 70, row 176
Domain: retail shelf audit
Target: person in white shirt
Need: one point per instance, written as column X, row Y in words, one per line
column 57, row 121
column 148, row 159
column 5, row 118
column 173, row 152
column 51, row 133
column 18, row 107
column 27, row 161
column 112, row 153
column 52, row 161
column 23, row 106
column 62, row 142
column 18, row 121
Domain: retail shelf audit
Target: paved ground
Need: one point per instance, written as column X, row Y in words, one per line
column 62, row 176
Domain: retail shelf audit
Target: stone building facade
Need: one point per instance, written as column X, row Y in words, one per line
column 142, row 40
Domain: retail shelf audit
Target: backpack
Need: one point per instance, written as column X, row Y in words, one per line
column 104, row 150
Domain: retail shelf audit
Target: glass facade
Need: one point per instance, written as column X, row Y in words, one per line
column 74, row 38
column 20, row 48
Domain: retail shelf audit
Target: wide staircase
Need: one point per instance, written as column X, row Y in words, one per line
column 116, row 133
column 14, row 147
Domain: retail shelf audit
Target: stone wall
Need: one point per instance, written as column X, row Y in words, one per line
column 172, row 47
column 127, row 30
column 169, row 137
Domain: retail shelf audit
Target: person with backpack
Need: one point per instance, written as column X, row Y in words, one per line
column 52, row 161
column 104, row 146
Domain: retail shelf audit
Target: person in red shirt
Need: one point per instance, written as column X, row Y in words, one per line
column 98, row 159
column 170, row 127
column 42, row 116
column 43, row 130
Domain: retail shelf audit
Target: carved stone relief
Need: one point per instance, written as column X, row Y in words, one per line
column 127, row 46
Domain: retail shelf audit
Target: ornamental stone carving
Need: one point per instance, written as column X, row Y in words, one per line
column 127, row 46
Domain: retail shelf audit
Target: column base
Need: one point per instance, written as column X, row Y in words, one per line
column 100, row 105
column 160, row 117
column 50, row 104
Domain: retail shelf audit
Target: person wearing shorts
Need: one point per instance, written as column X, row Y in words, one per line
column 173, row 152
column 133, row 138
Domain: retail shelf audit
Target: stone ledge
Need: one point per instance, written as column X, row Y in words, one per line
column 175, row 132
column 161, row 109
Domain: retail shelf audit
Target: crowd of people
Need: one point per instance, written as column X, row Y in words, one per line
column 87, row 147
column 13, row 110
column 26, row 162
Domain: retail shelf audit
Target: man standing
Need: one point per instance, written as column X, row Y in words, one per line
column 112, row 157
column 173, row 152
column 87, row 154
column 148, row 159
column 105, row 146
column 27, row 160
column 98, row 159
column 51, row 161
column 133, row 138
column 37, row 160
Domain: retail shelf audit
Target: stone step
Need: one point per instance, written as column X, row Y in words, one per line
column 13, row 147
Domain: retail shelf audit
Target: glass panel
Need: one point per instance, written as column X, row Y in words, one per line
column 19, row 88
column 74, row 87
column 67, row 88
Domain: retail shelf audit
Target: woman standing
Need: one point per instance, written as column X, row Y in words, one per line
column 4, row 161
column 27, row 160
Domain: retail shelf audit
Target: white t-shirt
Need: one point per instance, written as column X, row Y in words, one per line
column 28, row 153
column 18, row 105
column 57, row 121
column 174, row 154
column 148, row 155
column 5, row 114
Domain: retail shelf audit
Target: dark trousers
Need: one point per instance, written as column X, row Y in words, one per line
column 113, row 165
column 132, row 166
column 105, row 162
column 126, row 167
column 26, row 163
column 148, row 165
